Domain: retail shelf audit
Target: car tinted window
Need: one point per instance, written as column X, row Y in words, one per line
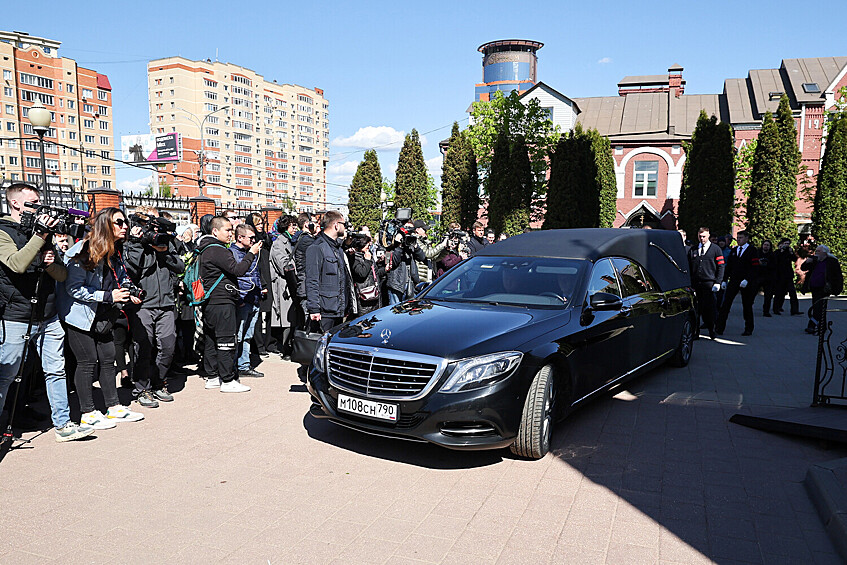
column 631, row 276
column 603, row 278
column 530, row 281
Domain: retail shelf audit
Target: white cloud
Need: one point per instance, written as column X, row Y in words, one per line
column 384, row 137
column 372, row 136
column 346, row 168
column 135, row 186
column 605, row 60
column 434, row 165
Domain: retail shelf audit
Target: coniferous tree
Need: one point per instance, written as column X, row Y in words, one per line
column 519, row 189
column 411, row 183
column 829, row 218
column 453, row 175
column 790, row 167
column 582, row 189
column 364, row 193
column 469, row 211
column 707, row 198
column 765, row 182
column 499, row 177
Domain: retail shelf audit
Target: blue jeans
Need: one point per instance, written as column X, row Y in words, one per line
column 246, row 315
column 49, row 339
column 395, row 297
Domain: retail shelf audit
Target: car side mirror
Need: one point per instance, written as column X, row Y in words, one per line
column 421, row 286
column 603, row 301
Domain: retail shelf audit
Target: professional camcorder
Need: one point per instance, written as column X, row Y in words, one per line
column 389, row 229
column 155, row 230
column 66, row 224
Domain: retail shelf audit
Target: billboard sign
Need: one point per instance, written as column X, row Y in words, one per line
column 149, row 148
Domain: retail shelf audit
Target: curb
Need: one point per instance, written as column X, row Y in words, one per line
column 829, row 495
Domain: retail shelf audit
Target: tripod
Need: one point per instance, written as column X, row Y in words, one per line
column 7, row 434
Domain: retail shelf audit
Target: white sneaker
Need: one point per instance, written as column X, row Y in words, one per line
column 123, row 414
column 213, row 383
column 234, row 386
column 97, row 420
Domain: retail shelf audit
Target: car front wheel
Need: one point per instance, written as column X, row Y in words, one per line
column 533, row 441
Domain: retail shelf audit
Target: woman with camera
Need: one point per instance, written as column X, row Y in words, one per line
column 90, row 302
column 367, row 274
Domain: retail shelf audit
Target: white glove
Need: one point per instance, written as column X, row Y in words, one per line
column 743, row 284
column 716, row 287
column 723, row 286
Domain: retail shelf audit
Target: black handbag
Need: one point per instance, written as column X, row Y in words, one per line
column 303, row 346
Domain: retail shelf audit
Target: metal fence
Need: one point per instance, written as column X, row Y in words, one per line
column 831, row 366
column 59, row 195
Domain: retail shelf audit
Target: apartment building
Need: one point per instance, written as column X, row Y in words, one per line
column 262, row 142
column 80, row 101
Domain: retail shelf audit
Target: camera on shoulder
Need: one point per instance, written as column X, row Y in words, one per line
column 66, row 217
column 155, row 230
column 391, row 227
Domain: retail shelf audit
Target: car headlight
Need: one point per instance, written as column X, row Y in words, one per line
column 478, row 372
column 319, row 360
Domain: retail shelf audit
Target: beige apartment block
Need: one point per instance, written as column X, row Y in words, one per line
column 79, row 145
column 262, row 143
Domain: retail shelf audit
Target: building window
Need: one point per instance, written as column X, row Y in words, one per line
column 70, row 88
column 106, row 170
column 105, row 140
column 89, row 139
column 10, row 109
column 675, row 149
column 87, row 93
column 646, row 178
column 104, row 125
column 7, row 75
column 7, row 91
column 103, row 110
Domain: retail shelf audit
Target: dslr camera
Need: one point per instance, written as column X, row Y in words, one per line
column 134, row 290
column 155, row 230
column 66, row 225
column 389, row 229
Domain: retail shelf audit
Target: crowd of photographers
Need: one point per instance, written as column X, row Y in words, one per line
column 115, row 298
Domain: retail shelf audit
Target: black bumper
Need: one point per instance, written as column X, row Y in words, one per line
column 487, row 418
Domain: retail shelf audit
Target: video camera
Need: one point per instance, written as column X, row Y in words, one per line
column 389, row 229
column 155, row 230
column 66, row 224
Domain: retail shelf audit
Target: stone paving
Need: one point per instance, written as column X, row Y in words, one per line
column 654, row 474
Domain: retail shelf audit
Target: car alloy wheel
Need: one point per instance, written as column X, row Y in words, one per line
column 536, row 427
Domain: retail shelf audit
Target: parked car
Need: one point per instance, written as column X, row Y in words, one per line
column 492, row 353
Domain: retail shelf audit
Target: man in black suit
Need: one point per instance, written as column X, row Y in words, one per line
column 742, row 271
column 706, row 265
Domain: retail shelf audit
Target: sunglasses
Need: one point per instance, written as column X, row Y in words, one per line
column 120, row 222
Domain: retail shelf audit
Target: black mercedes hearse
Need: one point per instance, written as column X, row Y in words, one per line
column 502, row 345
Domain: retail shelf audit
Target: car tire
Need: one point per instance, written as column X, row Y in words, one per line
column 682, row 355
column 536, row 427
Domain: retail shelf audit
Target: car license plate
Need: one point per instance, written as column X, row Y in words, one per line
column 368, row 408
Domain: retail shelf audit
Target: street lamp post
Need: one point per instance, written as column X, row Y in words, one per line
column 40, row 118
column 201, row 156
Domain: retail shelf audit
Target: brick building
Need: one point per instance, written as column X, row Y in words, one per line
column 80, row 101
column 264, row 142
column 651, row 117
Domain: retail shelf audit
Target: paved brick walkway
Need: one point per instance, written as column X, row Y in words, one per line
column 656, row 474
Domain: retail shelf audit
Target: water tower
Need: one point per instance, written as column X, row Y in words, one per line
column 507, row 65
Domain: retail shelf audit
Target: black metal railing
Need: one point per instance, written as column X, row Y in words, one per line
column 831, row 365
column 59, row 195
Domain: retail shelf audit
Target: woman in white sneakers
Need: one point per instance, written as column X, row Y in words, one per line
column 90, row 301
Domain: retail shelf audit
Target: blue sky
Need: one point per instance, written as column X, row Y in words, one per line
column 388, row 67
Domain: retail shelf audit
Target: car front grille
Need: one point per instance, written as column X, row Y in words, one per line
column 380, row 374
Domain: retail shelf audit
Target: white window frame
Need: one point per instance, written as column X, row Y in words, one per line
column 641, row 180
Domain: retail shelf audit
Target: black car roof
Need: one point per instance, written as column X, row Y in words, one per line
column 661, row 252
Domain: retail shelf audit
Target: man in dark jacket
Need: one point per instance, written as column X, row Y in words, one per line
column 328, row 284
column 824, row 279
column 251, row 290
column 308, row 233
column 706, row 265
column 219, row 272
column 154, row 268
column 785, row 259
column 478, row 239
column 742, row 276
column 402, row 265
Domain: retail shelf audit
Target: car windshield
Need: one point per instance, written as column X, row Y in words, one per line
column 523, row 281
